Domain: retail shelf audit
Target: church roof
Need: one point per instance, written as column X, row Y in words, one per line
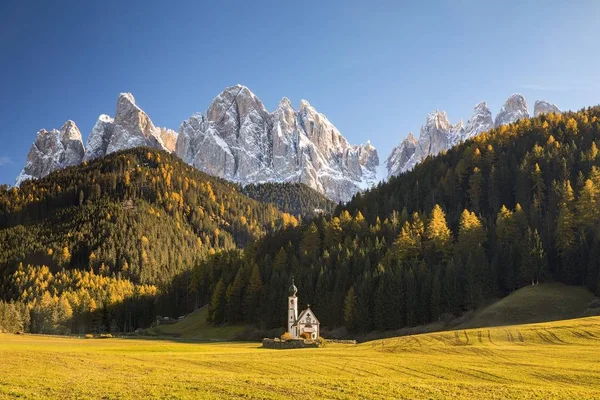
column 304, row 313
column 293, row 289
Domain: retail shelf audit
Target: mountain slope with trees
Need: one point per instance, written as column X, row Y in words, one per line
column 140, row 217
column 509, row 208
column 294, row 198
column 142, row 212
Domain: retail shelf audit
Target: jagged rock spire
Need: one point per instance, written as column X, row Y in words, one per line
column 238, row 139
column 52, row 150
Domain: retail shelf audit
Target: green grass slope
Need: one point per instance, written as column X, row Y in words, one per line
column 195, row 327
column 531, row 304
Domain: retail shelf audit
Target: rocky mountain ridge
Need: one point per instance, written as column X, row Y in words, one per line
column 438, row 134
column 130, row 128
column 53, row 150
column 236, row 139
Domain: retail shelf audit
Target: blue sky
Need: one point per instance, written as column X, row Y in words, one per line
column 374, row 68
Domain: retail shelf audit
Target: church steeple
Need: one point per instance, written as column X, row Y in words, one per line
column 292, row 310
column 293, row 289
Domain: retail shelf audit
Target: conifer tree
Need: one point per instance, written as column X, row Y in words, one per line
column 218, row 303
column 438, row 235
column 565, row 223
column 586, row 204
column 254, row 292
column 350, row 310
column 476, row 188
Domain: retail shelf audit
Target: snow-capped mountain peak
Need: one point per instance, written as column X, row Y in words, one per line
column 53, row 150
column 514, row 109
column 241, row 141
column 480, row 121
column 402, row 155
column 438, row 134
column 130, row 128
column 543, row 107
column 285, row 103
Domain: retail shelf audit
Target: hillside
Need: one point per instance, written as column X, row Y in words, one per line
column 546, row 361
column 139, row 217
column 196, row 327
column 293, row 198
column 141, row 212
column 534, row 304
column 515, row 205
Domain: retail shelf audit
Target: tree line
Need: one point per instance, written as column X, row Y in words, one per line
column 74, row 301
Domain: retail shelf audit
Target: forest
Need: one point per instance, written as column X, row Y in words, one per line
column 140, row 212
column 139, row 216
column 293, row 198
column 512, row 207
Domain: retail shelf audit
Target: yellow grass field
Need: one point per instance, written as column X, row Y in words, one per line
column 541, row 361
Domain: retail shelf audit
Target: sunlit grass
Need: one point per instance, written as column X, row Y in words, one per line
column 551, row 360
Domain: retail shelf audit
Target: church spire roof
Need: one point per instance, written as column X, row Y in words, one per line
column 293, row 289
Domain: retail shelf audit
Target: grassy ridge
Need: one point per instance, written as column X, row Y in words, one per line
column 196, row 327
column 541, row 303
column 550, row 360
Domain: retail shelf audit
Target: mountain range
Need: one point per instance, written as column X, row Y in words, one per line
column 438, row 134
column 236, row 139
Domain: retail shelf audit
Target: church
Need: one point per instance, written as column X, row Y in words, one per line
column 306, row 322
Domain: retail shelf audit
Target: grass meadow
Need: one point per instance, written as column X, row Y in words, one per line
column 540, row 361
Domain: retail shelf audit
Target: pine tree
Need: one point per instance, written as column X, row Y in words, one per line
column 410, row 296
column 254, row 292
column 362, row 310
column 471, row 255
column 436, row 297
column 311, row 242
column 438, row 235
column 508, row 238
column 350, row 310
column 234, row 298
column 407, row 244
column 218, row 304
column 379, row 319
column 564, row 233
column 537, row 256
column 470, row 232
column 586, row 204
column 476, row 188
column 538, row 187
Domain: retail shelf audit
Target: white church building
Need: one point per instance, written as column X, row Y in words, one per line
column 306, row 322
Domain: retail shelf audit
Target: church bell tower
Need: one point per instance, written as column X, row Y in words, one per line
column 292, row 310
